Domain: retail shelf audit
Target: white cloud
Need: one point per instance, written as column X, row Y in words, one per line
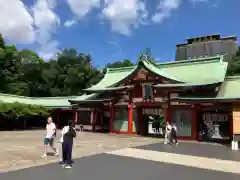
column 23, row 25
column 81, row 8
column 16, row 23
column 124, row 14
column 46, row 22
column 69, row 23
column 49, row 51
column 165, row 9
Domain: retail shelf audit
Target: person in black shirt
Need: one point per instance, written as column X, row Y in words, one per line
column 68, row 133
column 174, row 134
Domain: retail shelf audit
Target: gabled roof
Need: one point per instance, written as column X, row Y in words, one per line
column 201, row 70
column 205, row 70
column 229, row 90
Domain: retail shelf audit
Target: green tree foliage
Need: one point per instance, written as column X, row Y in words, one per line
column 23, row 72
column 234, row 65
column 17, row 110
column 118, row 64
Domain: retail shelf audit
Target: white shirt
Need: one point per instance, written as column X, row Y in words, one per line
column 50, row 130
column 168, row 128
column 64, row 131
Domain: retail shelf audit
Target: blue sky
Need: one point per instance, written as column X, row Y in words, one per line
column 112, row 30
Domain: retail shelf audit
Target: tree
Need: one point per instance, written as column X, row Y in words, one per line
column 11, row 72
column 30, row 57
column 2, row 42
column 234, row 65
column 17, row 110
column 118, row 64
column 23, row 72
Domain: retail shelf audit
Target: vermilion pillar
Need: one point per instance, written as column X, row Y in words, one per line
column 93, row 119
column 130, row 113
column 130, row 118
column 75, row 116
column 168, row 109
column 111, row 110
column 58, row 122
column 194, row 122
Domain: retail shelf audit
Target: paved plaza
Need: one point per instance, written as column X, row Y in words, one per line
column 22, row 149
column 117, row 157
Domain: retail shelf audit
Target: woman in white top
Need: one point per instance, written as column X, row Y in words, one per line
column 167, row 132
column 67, row 135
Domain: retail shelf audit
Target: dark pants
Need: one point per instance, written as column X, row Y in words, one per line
column 174, row 137
column 67, row 150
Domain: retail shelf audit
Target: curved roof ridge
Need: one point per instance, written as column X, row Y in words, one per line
column 153, row 68
column 120, row 69
column 195, row 60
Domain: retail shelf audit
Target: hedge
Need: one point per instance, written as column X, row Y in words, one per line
column 17, row 110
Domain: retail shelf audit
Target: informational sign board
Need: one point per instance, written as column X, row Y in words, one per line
column 236, row 120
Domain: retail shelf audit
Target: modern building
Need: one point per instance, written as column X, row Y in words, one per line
column 206, row 46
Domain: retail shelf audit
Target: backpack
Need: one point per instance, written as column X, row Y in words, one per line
column 173, row 131
column 71, row 132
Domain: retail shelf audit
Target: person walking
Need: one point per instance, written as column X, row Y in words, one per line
column 50, row 135
column 174, row 134
column 167, row 133
column 67, row 135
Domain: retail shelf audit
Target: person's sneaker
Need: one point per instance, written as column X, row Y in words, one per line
column 44, row 156
column 68, row 166
column 63, row 165
column 177, row 143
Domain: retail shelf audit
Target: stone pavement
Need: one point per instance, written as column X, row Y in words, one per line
column 179, row 159
column 22, row 149
column 117, row 157
column 136, row 164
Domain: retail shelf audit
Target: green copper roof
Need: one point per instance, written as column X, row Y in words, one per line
column 184, row 85
column 54, row 102
column 152, row 67
column 210, row 69
column 90, row 101
column 229, row 90
column 109, row 89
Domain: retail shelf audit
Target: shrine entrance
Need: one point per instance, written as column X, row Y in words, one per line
column 153, row 121
column 215, row 125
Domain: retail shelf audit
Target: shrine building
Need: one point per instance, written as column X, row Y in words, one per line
column 195, row 94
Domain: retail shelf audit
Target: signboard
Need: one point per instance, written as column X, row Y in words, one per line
column 236, row 120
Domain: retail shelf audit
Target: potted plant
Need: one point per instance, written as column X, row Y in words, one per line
column 160, row 120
